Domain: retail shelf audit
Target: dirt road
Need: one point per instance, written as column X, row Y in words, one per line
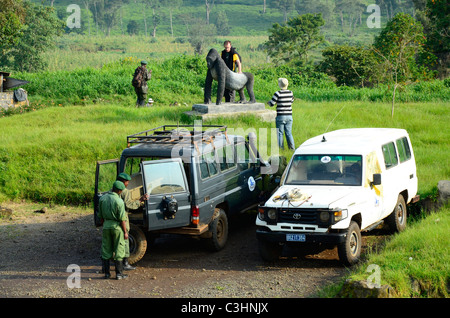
column 38, row 248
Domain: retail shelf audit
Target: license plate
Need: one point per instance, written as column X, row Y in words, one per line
column 295, row 237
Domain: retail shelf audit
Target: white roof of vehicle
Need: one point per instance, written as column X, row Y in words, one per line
column 350, row 141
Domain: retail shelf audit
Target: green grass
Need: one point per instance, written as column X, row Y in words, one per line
column 415, row 263
column 50, row 154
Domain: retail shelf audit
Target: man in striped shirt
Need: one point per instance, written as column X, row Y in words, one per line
column 283, row 99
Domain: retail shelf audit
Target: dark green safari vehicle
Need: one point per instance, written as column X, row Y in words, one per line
column 195, row 180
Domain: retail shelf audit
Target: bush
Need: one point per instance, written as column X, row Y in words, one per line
column 349, row 65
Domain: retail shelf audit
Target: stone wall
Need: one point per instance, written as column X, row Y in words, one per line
column 6, row 100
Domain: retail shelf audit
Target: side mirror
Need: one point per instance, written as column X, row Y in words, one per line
column 376, row 179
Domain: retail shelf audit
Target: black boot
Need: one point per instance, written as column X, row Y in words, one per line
column 119, row 270
column 105, row 268
column 127, row 266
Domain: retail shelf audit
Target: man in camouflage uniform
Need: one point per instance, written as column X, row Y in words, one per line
column 142, row 89
column 130, row 204
column 113, row 218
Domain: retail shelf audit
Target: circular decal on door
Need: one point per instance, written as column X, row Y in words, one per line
column 251, row 184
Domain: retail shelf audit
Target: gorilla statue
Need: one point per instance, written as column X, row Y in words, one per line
column 218, row 70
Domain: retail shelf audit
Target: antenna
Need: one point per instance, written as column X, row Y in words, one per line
column 335, row 117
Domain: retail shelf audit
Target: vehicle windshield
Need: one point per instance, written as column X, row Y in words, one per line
column 325, row 170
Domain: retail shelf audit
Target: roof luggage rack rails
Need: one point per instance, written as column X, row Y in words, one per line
column 172, row 134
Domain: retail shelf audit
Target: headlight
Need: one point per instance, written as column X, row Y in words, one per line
column 339, row 215
column 324, row 216
column 272, row 214
column 261, row 213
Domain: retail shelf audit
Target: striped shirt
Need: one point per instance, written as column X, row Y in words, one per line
column 283, row 98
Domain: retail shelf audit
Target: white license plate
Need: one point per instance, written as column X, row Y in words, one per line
column 295, row 237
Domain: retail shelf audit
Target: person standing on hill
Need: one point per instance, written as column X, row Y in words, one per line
column 139, row 82
column 233, row 61
column 284, row 99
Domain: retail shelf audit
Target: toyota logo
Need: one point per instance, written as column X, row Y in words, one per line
column 297, row 216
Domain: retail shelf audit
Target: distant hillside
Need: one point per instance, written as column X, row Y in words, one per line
column 343, row 23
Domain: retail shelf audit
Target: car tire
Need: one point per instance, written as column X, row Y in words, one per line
column 138, row 244
column 269, row 251
column 219, row 231
column 349, row 251
column 397, row 219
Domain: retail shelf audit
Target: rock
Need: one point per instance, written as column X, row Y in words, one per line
column 43, row 210
column 5, row 212
column 361, row 289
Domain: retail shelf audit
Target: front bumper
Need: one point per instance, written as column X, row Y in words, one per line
column 263, row 233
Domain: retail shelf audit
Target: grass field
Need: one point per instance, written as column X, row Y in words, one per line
column 415, row 263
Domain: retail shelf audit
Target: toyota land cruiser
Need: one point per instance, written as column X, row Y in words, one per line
column 336, row 185
column 195, row 180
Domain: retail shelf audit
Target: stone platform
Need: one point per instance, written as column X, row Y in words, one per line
column 209, row 111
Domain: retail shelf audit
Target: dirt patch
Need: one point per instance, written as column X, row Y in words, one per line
column 38, row 249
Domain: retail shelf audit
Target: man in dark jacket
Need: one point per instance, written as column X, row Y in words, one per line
column 232, row 60
column 140, row 78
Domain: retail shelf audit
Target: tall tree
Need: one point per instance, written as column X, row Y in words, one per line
column 352, row 10
column 285, row 6
column 396, row 47
column 209, row 6
column 39, row 29
column 434, row 16
column 12, row 17
column 293, row 41
column 106, row 13
column 154, row 6
column 199, row 33
column 172, row 5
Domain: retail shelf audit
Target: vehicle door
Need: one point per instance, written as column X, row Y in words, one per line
column 374, row 194
column 250, row 180
column 390, row 177
column 105, row 175
column 163, row 179
column 407, row 175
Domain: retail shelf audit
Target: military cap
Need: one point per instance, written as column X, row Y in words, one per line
column 144, row 62
column 124, row 176
column 118, row 185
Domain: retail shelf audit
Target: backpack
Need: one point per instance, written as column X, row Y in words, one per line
column 138, row 77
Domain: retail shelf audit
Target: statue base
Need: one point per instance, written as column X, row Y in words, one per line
column 211, row 111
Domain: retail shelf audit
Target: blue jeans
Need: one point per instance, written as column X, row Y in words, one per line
column 284, row 127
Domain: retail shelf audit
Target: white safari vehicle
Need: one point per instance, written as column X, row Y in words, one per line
column 336, row 185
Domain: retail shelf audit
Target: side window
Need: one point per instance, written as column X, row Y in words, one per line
column 208, row 165
column 404, row 152
column 226, row 157
column 390, row 156
column 204, row 173
column 243, row 156
column 212, row 163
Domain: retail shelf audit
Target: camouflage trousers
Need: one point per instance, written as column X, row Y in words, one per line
column 141, row 97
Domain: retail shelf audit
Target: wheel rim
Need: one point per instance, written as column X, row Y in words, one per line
column 353, row 243
column 400, row 214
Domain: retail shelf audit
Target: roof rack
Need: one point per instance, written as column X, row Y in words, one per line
column 174, row 134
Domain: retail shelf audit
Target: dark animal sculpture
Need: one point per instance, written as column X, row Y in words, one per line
column 218, row 70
